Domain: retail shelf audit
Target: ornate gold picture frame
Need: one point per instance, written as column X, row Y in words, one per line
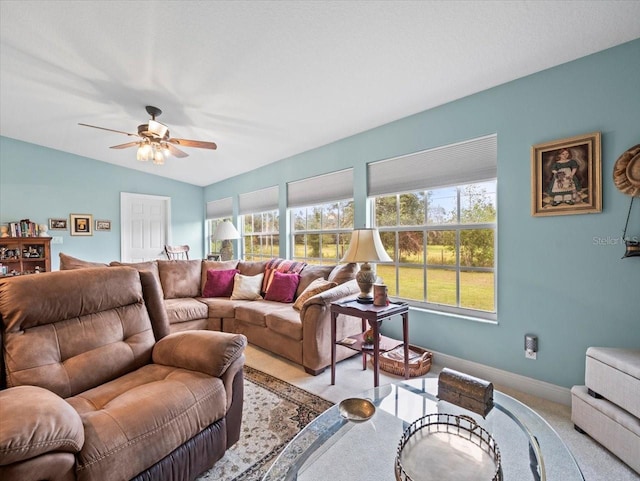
column 566, row 176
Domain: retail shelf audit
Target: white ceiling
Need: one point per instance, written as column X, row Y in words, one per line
column 269, row 79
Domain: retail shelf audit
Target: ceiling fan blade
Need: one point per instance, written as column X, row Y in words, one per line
column 110, row 130
column 124, row 146
column 194, row 143
column 176, row 152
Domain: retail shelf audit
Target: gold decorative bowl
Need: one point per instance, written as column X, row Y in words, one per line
column 356, row 409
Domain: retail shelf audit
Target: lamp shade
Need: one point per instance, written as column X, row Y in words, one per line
column 225, row 230
column 366, row 246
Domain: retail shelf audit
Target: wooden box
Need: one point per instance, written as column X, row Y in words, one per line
column 466, row 391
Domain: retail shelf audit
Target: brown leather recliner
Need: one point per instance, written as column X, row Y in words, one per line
column 94, row 387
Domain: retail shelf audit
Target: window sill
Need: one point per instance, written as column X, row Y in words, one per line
column 466, row 317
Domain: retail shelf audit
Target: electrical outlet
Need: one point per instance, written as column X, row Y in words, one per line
column 530, row 354
column 56, row 240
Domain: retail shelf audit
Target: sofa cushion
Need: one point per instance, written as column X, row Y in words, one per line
column 310, row 273
column 217, row 265
column 68, row 263
column 180, row 278
column 219, row 283
column 222, row 307
column 283, row 287
column 251, row 268
column 344, row 272
column 186, row 309
column 119, row 442
column 247, row 287
column 280, row 265
column 286, row 322
column 316, row 287
column 255, row 312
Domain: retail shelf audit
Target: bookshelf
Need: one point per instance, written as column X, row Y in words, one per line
column 24, row 255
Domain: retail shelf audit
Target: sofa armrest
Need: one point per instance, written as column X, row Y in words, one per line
column 36, row 421
column 334, row 294
column 210, row 352
column 315, row 316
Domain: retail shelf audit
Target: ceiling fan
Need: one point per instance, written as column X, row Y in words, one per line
column 154, row 142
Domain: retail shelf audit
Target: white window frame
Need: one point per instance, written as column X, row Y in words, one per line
column 265, row 237
column 342, row 233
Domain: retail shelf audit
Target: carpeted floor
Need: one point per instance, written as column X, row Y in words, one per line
column 274, row 412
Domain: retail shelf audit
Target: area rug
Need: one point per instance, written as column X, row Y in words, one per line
column 274, row 411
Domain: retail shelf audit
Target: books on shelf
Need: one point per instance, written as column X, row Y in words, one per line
column 24, row 228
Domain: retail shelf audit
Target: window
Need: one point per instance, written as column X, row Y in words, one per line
column 321, row 225
column 260, row 223
column 214, row 245
column 436, row 213
column 320, row 234
column 217, row 211
column 260, row 235
column 443, row 242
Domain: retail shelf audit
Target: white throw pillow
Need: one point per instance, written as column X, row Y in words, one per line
column 247, row 287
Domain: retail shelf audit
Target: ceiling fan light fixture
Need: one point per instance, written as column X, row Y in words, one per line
column 158, row 158
column 145, row 152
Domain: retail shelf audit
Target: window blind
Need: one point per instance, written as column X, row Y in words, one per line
column 258, row 200
column 321, row 189
column 217, row 209
column 469, row 161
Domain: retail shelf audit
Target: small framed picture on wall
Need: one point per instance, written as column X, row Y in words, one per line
column 81, row 224
column 103, row 225
column 58, row 224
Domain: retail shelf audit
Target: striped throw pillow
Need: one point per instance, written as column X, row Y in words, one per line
column 281, row 265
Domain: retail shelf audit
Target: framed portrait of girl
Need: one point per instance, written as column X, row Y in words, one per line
column 566, row 176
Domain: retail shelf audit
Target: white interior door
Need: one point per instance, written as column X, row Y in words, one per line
column 146, row 226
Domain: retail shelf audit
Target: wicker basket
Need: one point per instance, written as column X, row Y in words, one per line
column 393, row 361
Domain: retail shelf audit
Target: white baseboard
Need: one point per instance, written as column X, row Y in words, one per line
column 542, row 389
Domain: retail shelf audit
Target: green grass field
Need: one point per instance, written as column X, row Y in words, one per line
column 476, row 288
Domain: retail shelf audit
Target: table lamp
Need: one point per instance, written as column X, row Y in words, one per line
column 365, row 247
column 225, row 232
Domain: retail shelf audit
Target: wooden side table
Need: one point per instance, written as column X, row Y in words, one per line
column 374, row 315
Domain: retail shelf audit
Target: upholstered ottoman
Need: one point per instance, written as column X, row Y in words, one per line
column 608, row 407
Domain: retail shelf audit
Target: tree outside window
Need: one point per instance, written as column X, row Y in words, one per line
column 443, row 242
column 260, row 235
column 321, row 233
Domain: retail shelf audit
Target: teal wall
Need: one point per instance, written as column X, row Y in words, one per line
column 39, row 183
column 554, row 278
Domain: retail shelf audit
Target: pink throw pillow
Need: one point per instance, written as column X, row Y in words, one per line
column 283, row 287
column 219, row 283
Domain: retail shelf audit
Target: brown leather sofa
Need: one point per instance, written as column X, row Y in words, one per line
column 94, row 387
column 302, row 336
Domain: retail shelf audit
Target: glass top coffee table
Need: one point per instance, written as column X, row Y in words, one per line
column 332, row 448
